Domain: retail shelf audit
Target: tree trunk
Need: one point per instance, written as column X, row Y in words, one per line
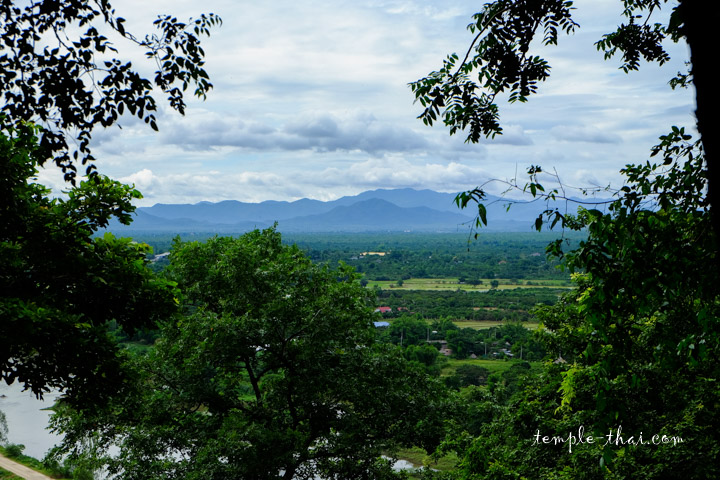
column 701, row 19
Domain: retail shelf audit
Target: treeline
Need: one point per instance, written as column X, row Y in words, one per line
column 400, row 256
column 403, row 256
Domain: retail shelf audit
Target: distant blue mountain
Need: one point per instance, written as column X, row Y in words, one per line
column 270, row 211
column 376, row 214
column 377, row 210
column 406, row 198
column 229, row 211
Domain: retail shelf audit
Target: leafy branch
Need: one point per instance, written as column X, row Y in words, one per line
column 70, row 86
column 504, row 31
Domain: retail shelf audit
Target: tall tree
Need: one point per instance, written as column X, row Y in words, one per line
column 59, row 286
column 272, row 373
column 640, row 339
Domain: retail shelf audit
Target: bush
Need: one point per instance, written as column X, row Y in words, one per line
column 13, row 450
column 472, row 375
column 52, row 464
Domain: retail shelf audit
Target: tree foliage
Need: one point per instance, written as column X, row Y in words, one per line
column 272, row 373
column 71, row 84
column 61, row 71
column 60, row 286
column 499, row 60
column 499, row 52
column 639, row 339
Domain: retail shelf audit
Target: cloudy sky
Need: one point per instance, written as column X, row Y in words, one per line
column 311, row 100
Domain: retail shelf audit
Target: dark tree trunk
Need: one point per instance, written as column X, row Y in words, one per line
column 702, row 25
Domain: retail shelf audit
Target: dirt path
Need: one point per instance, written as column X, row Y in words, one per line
column 21, row 470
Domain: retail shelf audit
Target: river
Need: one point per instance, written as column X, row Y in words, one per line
column 26, row 419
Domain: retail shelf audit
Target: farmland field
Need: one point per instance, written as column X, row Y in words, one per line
column 483, row 324
column 454, row 284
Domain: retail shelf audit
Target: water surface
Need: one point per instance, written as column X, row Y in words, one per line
column 26, row 419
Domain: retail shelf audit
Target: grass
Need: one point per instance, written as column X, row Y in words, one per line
column 483, row 324
column 494, row 366
column 452, row 284
column 5, row 475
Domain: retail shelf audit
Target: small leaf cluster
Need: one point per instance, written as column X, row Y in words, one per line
column 638, row 39
column 464, row 92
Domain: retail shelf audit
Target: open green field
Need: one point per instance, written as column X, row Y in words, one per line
column 453, row 284
column 495, row 366
column 483, row 324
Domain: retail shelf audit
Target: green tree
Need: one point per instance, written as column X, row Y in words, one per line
column 640, row 337
column 59, row 70
column 408, row 330
column 273, row 373
column 425, row 355
column 472, row 374
column 60, row 285
column 640, row 333
column 648, row 309
column 462, row 342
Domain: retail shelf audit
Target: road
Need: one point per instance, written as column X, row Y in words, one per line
column 21, row 470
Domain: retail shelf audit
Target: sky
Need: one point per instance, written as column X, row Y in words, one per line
column 311, row 100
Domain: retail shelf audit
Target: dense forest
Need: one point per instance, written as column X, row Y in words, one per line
column 258, row 357
column 394, row 256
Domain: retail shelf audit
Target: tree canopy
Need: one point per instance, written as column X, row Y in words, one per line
column 271, row 373
column 61, row 76
column 634, row 346
column 60, row 286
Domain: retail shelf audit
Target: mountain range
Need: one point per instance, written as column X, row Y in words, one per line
column 372, row 211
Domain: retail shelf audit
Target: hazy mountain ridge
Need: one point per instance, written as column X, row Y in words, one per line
column 377, row 210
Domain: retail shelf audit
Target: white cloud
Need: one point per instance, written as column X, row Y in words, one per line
column 311, row 100
column 143, row 180
column 584, row 133
column 327, row 184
